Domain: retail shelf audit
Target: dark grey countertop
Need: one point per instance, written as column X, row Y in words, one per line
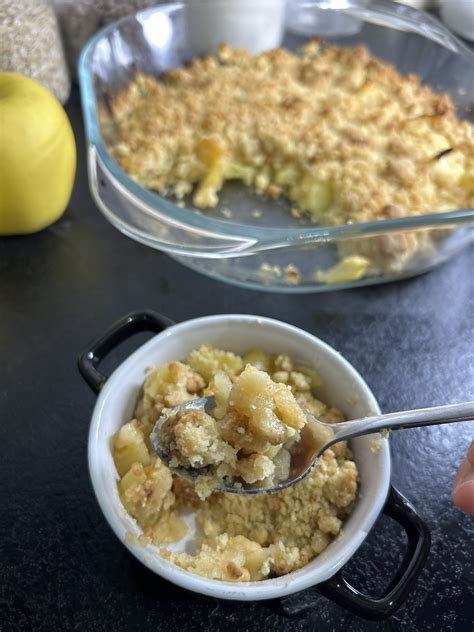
column 62, row 568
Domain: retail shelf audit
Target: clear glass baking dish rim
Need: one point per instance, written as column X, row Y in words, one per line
column 267, row 237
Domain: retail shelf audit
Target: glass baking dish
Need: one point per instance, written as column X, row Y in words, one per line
column 247, row 239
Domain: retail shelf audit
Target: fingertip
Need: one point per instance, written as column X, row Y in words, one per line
column 463, row 497
column 470, row 454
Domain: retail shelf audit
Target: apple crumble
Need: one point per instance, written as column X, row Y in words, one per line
column 241, row 538
column 343, row 136
column 244, row 440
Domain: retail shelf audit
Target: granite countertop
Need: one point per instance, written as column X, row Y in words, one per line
column 62, row 568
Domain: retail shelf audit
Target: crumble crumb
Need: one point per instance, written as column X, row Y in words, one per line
column 268, row 272
column 295, row 212
column 375, row 444
column 292, row 274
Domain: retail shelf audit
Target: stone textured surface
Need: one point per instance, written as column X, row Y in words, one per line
column 62, row 568
column 30, row 44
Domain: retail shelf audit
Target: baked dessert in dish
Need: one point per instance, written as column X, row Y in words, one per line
column 343, row 136
column 240, row 538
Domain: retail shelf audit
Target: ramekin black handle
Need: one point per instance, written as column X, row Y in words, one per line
column 122, row 329
column 338, row 589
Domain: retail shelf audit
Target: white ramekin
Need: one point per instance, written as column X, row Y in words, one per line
column 342, row 387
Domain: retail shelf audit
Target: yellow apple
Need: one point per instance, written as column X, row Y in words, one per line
column 37, row 156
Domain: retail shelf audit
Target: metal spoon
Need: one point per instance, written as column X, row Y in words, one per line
column 317, row 436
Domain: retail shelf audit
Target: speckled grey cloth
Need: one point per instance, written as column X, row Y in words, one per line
column 30, row 44
column 80, row 19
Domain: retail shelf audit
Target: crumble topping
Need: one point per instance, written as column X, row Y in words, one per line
column 344, row 136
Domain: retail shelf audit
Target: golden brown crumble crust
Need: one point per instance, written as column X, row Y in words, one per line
column 344, row 136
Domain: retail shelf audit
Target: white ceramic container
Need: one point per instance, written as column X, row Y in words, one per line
column 342, row 387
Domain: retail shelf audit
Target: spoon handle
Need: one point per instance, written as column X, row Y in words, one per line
column 405, row 419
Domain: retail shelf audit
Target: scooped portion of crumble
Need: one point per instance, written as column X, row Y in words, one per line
column 245, row 440
column 241, row 538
